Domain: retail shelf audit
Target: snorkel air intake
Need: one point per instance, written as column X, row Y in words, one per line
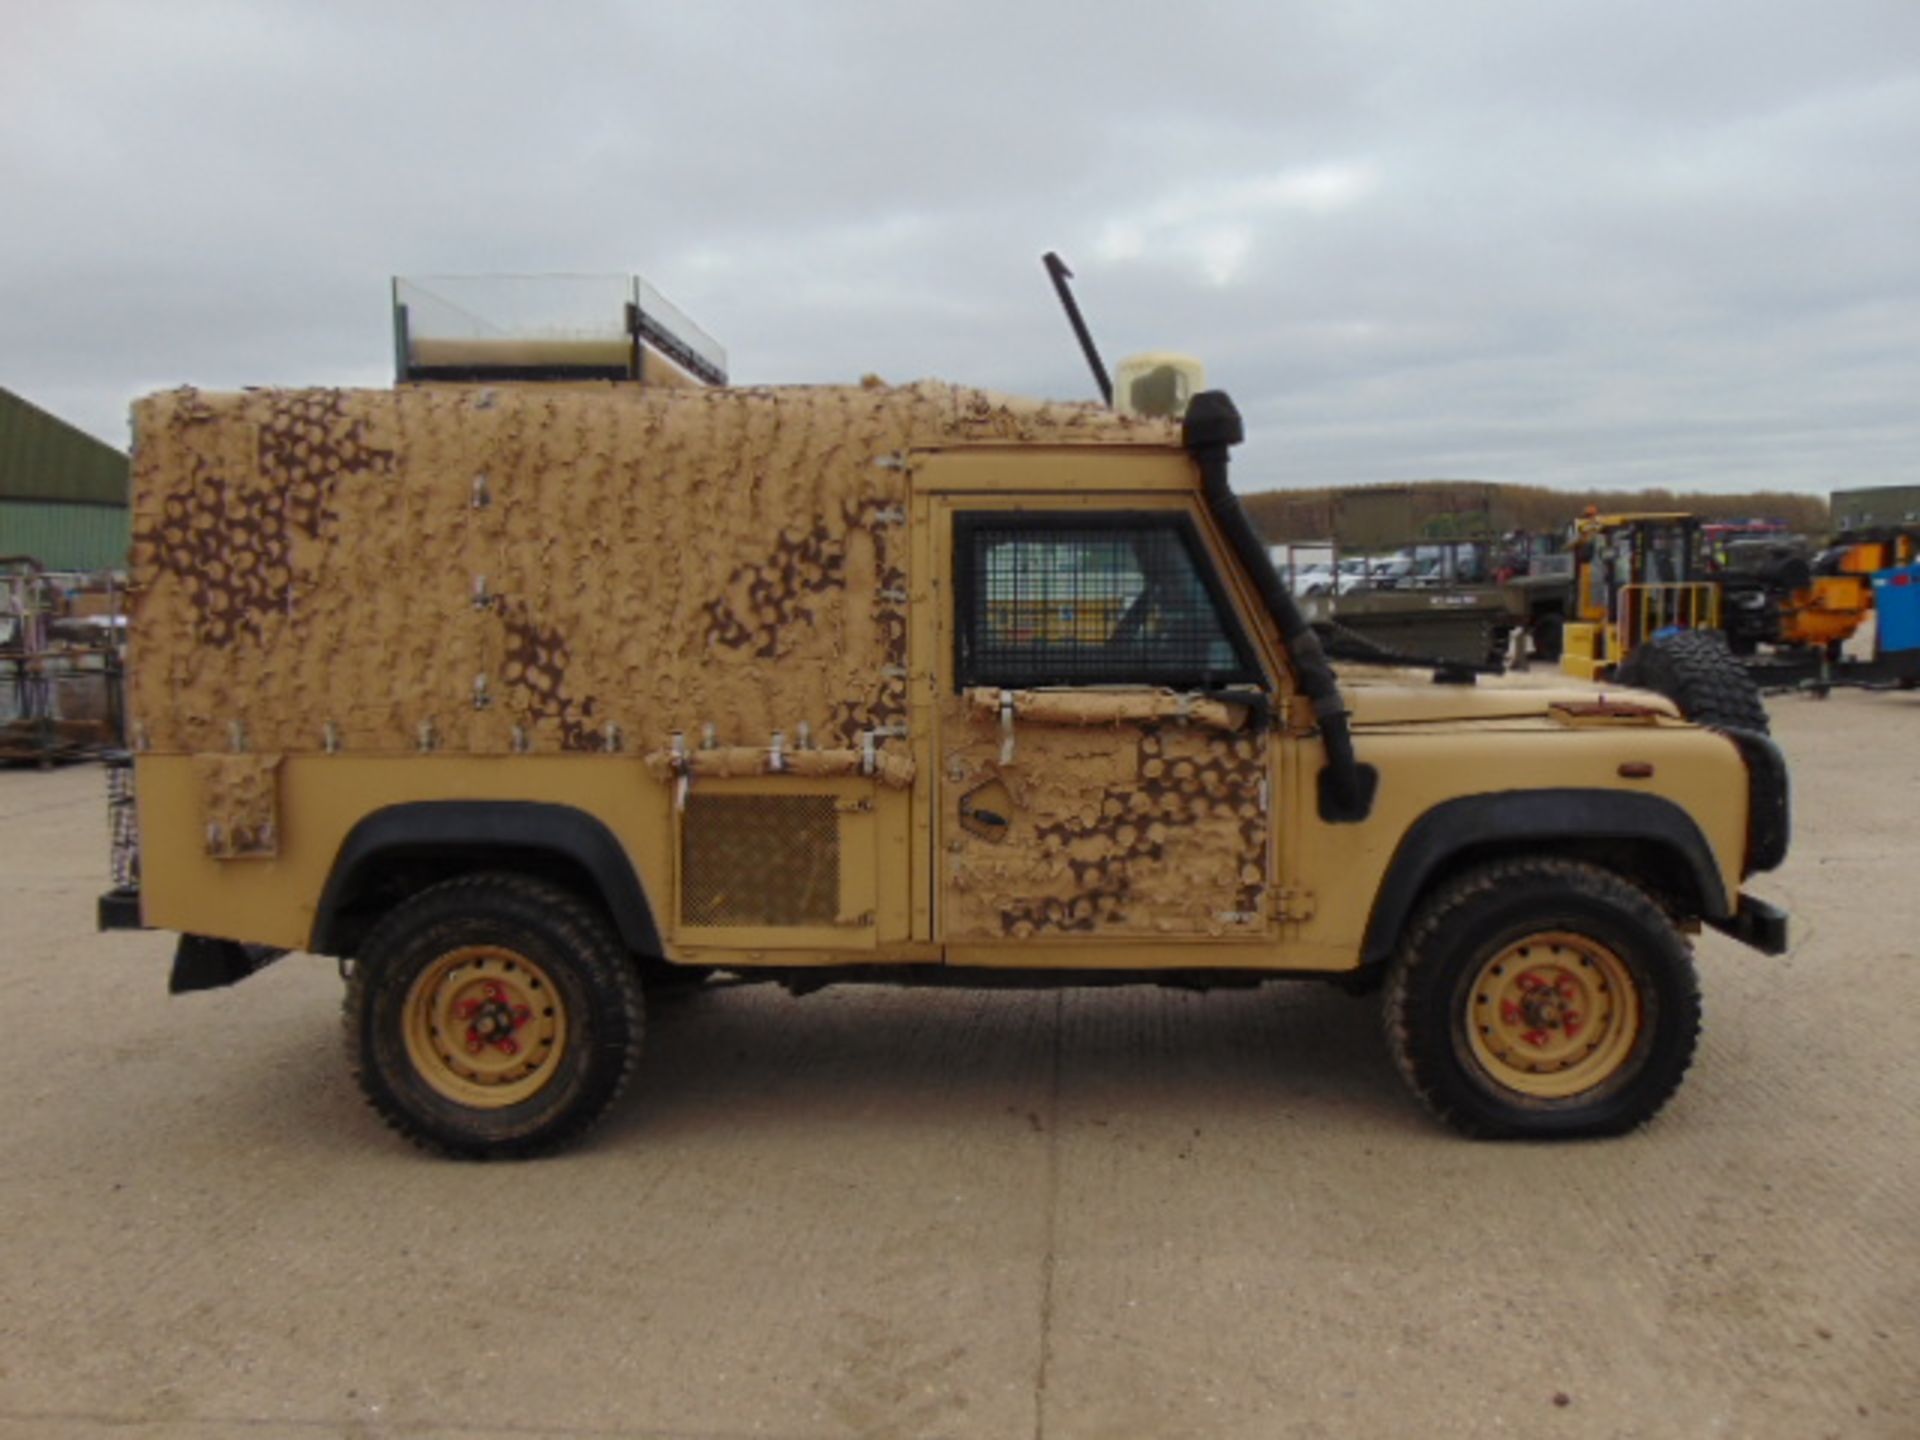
column 1211, row 428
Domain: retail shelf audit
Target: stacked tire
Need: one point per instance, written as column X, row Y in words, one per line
column 1696, row 670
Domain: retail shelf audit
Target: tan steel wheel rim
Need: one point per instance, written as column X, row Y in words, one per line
column 1553, row 1015
column 485, row 1026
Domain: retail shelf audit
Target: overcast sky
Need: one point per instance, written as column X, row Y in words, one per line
column 1617, row 244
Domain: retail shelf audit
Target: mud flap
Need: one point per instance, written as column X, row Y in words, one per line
column 1756, row 923
column 202, row 963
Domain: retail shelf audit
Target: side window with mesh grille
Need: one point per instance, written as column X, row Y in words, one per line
column 1079, row 599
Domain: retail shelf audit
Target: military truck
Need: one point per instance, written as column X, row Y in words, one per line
column 532, row 702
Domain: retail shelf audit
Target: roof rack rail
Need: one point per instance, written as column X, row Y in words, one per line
column 481, row 328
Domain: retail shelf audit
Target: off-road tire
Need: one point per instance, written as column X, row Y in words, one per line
column 1696, row 670
column 1431, row 1006
column 564, row 941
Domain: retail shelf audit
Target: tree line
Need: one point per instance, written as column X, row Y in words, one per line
column 1440, row 509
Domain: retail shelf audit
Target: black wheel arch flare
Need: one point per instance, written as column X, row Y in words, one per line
column 1501, row 823
column 477, row 834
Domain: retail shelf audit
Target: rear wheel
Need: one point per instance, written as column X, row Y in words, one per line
column 492, row 1016
column 1695, row 670
column 1542, row 999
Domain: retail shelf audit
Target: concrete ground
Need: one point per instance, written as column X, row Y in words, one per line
column 1059, row 1215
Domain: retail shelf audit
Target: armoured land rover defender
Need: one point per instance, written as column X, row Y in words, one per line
column 527, row 700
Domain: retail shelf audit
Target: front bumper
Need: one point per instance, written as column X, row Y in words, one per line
column 1756, row 923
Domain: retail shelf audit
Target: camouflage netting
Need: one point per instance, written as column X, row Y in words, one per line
column 1137, row 830
column 485, row 569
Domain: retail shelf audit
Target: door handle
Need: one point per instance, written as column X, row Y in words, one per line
column 978, row 819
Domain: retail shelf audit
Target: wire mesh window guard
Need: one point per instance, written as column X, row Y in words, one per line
column 1073, row 599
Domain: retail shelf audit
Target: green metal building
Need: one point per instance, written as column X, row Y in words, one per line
column 63, row 494
column 1878, row 508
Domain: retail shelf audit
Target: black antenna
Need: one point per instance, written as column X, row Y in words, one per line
column 1058, row 272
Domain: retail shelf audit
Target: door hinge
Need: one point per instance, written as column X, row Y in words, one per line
column 1284, row 902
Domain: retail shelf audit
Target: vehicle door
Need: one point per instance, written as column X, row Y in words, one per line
column 1095, row 779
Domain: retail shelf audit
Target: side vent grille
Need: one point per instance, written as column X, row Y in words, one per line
column 760, row 860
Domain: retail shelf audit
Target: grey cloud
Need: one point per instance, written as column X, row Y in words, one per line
column 1575, row 243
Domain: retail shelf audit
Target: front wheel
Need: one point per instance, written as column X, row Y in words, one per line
column 492, row 1016
column 1542, row 999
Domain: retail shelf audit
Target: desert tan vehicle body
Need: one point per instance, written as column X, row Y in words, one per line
column 804, row 680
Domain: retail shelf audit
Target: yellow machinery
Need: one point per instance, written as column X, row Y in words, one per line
column 1812, row 604
column 1831, row 609
column 1635, row 576
column 1828, row 611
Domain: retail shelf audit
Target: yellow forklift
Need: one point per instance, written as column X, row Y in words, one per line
column 1644, row 615
column 1635, row 576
